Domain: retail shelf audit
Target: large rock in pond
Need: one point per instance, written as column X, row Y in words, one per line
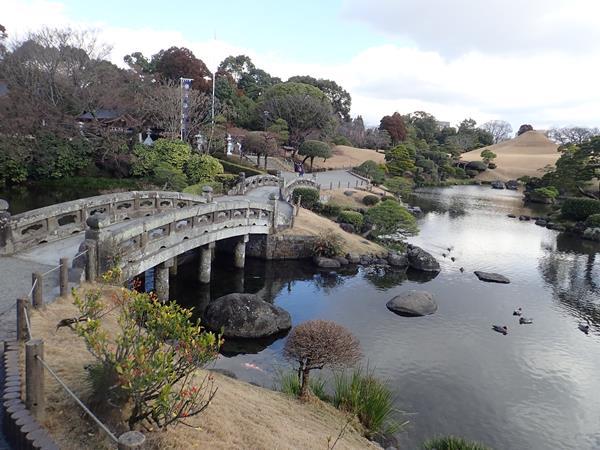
column 413, row 304
column 419, row 259
column 326, row 263
column 491, row 277
column 592, row 234
column 245, row 316
column 353, row 258
column 398, row 259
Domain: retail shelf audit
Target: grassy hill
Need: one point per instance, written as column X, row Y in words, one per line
column 345, row 157
column 527, row 154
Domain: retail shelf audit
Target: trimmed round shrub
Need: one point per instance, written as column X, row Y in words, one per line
column 390, row 217
column 389, row 198
column 593, row 221
column 480, row 166
column 351, row 217
column 580, row 208
column 196, row 189
column 370, row 200
column 342, row 140
column 308, row 197
column 547, row 192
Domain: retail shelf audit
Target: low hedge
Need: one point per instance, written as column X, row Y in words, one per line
column 353, row 218
column 235, row 168
column 330, row 210
column 580, row 208
column 309, row 197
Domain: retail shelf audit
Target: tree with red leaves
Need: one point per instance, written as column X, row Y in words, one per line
column 395, row 126
column 176, row 62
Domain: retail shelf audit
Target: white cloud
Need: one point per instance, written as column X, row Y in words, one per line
column 464, row 60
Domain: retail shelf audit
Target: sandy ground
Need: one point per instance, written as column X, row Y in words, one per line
column 241, row 416
column 308, row 223
column 345, row 157
column 527, row 154
column 337, row 197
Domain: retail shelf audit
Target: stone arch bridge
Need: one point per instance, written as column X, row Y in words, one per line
column 139, row 230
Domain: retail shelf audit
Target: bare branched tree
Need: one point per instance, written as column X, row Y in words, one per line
column 499, row 129
column 572, row 135
column 161, row 105
column 317, row 344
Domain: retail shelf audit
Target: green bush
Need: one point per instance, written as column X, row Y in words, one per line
column 329, row 209
column 353, row 218
column 460, row 173
column 452, row 443
column 202, row 168
column 548, row 192
column 390, row 217
column 593, row 221
column 400, row 186
column 479, row 166
column 289, row 384
column 309, row 196
column 369, row 399
column 370, row 200
column 471, row 173
column 580, row 208
column 328, row 244
column 389, row 198
column 168, row 177
column 228, row 180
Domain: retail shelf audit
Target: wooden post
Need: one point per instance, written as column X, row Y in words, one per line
column 64, row 277
column 131, row 440
column 34, row 378
column 22, row 334
column 339, row 184
column 37, row 280
column 331, row 185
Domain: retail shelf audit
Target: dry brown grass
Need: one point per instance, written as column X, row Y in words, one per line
column 337, row 197
column 308, row 223
column 241, row 416
column 527, row 154
column 345, row 157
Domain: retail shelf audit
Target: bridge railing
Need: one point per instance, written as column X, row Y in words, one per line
column 246, row 184
column 288, row 189
column 138, row 245
column 52, row 223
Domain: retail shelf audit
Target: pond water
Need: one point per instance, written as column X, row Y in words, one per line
column 538, row 387
column 535, row 388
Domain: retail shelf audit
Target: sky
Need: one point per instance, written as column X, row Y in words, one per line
column 524, row 61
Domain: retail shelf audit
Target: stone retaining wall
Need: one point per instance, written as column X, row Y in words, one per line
column 280, row 246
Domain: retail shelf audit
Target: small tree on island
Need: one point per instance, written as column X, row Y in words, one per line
column 488, row 156
column 312, row 149
column 317, row 344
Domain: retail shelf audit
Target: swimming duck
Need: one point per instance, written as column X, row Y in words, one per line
column 500, row 329
column 444, row 255
column 525, row 320
column 462, row 269
column 449, row 249
column 518, row 311
column 585, row 327
column 453, row 259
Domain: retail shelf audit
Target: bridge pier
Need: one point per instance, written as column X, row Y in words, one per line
column 161, row 280
column 204, row 266
column 240, row 252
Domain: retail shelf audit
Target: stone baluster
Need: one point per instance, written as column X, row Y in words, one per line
column 101, row 254
column 6, row 245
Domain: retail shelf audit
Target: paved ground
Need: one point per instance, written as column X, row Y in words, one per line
column 330, row 179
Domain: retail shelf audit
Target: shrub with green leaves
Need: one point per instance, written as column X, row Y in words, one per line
column 202, row 168
column 373, row 171
column 353, row 218
column 547, row 192
column 175, row 153
column 150, row 363
column 330, row 209
column 341, row 140
column 593, row 221
column 362, row 394
column 400, row 186
column 452, row 443
column 309, row 196
column 580, row 208
column 370, row 200
column 390, row 217
column 196, row 189
column 168, row 177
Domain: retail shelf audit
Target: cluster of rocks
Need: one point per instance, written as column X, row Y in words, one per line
column 415, row 258
column 513, row 185
column 540, row 221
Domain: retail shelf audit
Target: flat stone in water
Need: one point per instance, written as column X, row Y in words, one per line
column 413, row 304
column 491, row 277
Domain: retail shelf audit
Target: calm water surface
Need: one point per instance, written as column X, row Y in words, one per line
column 536, row 388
